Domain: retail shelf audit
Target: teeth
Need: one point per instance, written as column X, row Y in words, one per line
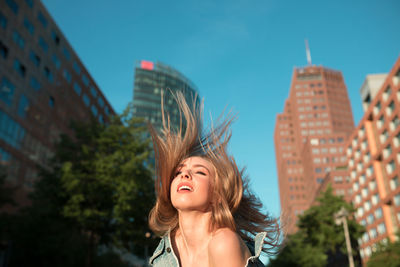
column 183, row 187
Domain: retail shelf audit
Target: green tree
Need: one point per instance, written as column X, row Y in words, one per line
column 319, row 241
column 108, row 183
column 387, row 255
column 97, row 191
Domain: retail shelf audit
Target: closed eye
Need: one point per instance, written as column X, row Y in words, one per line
column 200, row 172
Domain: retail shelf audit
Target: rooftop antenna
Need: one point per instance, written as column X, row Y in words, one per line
column 308, row 53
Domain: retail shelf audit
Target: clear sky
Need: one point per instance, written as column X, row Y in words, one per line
column 239, row 53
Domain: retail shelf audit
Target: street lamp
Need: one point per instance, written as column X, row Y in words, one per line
column 341, row 218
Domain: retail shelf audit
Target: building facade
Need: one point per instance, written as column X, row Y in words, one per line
column 373, row 152
column 43, row 87
column 150, row 80
column 310, row 136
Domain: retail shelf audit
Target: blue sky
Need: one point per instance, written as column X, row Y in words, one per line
column 240, row 54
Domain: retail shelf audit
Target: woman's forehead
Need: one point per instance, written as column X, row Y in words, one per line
column 196, row 161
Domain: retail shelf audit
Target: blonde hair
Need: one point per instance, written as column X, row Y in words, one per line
column 235, row 206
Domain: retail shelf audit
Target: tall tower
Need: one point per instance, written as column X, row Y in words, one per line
column 309, row 138
column 43, row 86
column 150, row 80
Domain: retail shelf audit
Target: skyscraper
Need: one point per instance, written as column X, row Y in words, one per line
column 43, row 86
column 373, row 152
column 150, row 80
column 309, row 138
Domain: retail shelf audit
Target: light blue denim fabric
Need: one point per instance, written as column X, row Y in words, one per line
column 164, row 255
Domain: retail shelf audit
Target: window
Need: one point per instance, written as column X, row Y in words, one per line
column 390, row 167
column 66, row 53
column 11, row 131
column 396, row 140
column 375, row 199
column 6, row 91
column 107, row 111
column 101, row 120
column 43, row 44
column 23, row 106
column 18, row 39
column 3, row 21
column 377, row 108
column 396, row 200
column 77, row 88
column 34, row 58
column 94, row 110
column 48, row 74
column 3, row 50
column 85, row 80
column 42, row 19
column 394, row 123
column 390, row 108
column 19, row 67
column 13, row 6
column 28, row 25
column 384, row 136
column 93, row 91
column 372, row 185
column 370, row 219
column 56, row 61
column 378, row 213
column 381, row 228
column 34, row 83
column 380, row 122
column 77, row 68
column 100, row 101
column 338, row 179
column 67, row 76
column 387, row 151
column 373, row 233
column 364, row 192
column 55, row 37
column 86, row 99
column 387, row 93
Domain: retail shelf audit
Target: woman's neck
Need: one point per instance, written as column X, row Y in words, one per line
column 193, row 233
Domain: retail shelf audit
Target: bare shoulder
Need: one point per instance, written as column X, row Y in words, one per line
column 226, row 248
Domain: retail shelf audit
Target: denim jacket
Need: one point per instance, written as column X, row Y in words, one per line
column 164, row 255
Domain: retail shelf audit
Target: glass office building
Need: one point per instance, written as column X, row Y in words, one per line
column 150, row 80
column 43, row 86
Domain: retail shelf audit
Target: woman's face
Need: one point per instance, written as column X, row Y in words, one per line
column 191, row 186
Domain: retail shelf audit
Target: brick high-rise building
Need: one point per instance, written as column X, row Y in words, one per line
column 43, row 86
column 373, row 152
column 309, row 138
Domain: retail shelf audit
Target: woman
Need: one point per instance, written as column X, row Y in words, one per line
column 204, row 212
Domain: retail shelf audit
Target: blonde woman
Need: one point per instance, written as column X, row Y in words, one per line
column 204, row 213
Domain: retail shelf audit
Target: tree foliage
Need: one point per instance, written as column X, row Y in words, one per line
column 319, row 241
column 98, row 191
column 387, row 255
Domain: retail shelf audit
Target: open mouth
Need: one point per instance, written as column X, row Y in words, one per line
column 185, row 188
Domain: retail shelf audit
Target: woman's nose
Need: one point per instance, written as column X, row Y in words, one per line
column 186, row 175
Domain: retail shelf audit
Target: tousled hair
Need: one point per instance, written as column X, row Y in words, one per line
column 235, row 206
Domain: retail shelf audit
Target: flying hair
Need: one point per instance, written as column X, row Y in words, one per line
column 234, row 205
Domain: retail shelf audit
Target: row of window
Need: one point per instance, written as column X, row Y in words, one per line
column 35, row 58
column 307, row 85
column 316, row 132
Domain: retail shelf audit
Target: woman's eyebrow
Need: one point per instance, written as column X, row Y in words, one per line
column 200, row 165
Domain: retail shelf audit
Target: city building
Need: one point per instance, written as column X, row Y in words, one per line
column 43, row 87
column 309, row 137
column 373, row 152
column 370, row 87
column 150, row 80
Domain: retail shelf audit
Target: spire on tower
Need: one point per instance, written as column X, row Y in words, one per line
column 308, row 53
